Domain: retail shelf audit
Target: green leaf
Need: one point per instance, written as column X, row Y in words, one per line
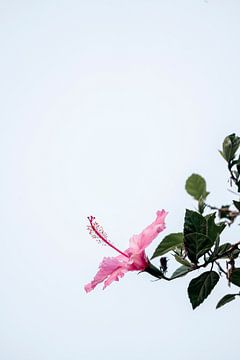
column 182, row 261
column 238, row 185
column 196, row 187
column 230, row 146
column 238, row 164
column 194, row 222
column 221, row 152
column 181, row 271
column 196, row 245
column 235, row 277
column 170, row 242
column 227, row 148
column 195, row 239
column 200, row 287
column 200, row 234
column 213, row 230
column 223, row 249
column 225, row 299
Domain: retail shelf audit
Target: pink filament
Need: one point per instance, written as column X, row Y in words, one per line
column 91, row 218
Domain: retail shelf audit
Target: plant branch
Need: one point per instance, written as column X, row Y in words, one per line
column 154, row 271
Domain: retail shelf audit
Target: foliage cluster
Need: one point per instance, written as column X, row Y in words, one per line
column 199, row 246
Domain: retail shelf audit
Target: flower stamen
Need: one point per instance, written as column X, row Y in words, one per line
column 97, row 232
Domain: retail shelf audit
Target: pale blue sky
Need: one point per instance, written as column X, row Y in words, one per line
column 106, row 108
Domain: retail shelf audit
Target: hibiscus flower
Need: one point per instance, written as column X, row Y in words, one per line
column 132, row 259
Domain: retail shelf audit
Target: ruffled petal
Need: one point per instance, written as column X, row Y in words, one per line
column 110, row 269
column 142, row 240
column 118, row 273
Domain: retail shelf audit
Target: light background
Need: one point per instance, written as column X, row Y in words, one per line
column 106, row 108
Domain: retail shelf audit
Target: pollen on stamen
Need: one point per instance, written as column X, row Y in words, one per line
column 94, row 229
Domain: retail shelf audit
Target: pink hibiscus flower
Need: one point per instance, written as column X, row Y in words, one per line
column 132, row 259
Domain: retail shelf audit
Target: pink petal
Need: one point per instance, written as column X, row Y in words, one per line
column 110, row 269
column 138, row 261
column 142, row 240
column 119, row 273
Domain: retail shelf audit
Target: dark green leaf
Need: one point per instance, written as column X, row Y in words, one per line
column 238, row 164
column 194, row 235
column 170, row 242
column 196, row 187
column 196, row 245
column 225, row 299
column 235, row 277
column 200, row 287
column 200, row 234
column 237, row 204
column 194, row 222
column 238, row 186
column 181, row 271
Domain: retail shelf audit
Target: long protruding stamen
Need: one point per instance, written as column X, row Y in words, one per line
column 93, row 227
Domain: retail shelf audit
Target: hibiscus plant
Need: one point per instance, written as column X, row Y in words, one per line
column 198, row 248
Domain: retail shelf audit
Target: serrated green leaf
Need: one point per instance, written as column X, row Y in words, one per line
column 235, row 277
column 196, row 245
column 194, row 222
column 170, row 242
column 225, row 299
column 196, row 187
column 181, row 271
column 195, row 238
column 200, row 234
column 200, row 287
